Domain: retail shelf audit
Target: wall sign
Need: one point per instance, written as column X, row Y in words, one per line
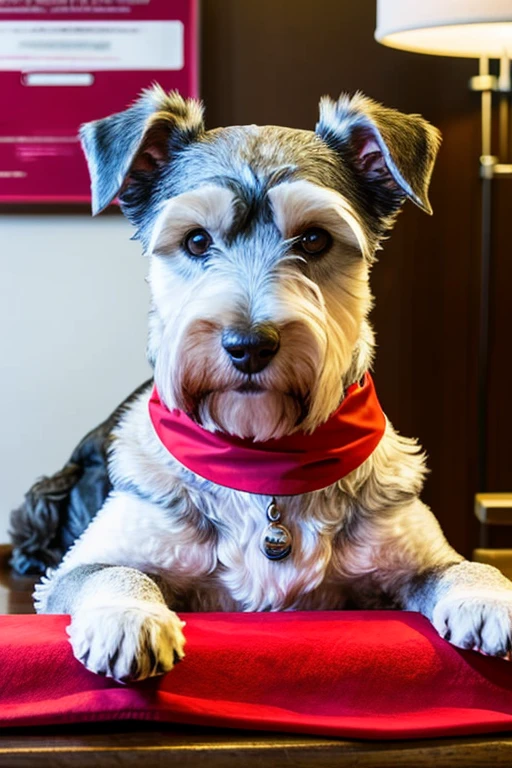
column 63, row 62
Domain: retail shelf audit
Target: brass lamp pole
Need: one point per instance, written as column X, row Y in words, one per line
column 490, row 508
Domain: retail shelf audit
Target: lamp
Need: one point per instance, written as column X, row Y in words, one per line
column 481, row 29
column 468, row 28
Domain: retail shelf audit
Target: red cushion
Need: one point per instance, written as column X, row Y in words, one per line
column 372, row 675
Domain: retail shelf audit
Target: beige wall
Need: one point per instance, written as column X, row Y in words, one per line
column 73, row 307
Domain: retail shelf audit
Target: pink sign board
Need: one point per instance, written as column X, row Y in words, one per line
column 64, row 62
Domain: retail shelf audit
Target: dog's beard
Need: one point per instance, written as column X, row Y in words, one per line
column 195, row 374
column 258, row 415
column 299, row 389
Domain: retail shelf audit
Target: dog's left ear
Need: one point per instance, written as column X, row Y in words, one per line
column 391, row 154
column 131, row 146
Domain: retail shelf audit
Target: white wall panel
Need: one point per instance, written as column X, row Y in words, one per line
column 73, row 305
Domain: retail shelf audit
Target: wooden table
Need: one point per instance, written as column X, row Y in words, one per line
column 104, row 745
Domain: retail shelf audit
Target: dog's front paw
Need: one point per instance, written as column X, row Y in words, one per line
column 129, row 641
column 475, row 619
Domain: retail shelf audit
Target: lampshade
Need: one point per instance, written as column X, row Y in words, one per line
column 470, row 28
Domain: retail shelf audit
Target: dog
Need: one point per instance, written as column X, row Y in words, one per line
column 260, row 243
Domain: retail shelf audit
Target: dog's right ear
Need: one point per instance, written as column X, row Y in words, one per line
column 133, row 145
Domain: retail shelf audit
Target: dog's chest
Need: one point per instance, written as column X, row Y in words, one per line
column 206, row 539
column 245, row 578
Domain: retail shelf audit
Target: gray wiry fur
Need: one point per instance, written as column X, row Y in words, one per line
column 167, row 537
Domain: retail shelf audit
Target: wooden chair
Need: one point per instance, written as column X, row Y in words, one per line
column 493, row 509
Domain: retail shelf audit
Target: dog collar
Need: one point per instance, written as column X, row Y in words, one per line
column 286, row 466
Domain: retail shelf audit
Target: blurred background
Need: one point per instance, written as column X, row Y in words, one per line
column 73, row 299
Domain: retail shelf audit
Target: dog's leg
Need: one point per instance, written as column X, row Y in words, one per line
column 410, row 561
column 120, row 625
column 470, row 604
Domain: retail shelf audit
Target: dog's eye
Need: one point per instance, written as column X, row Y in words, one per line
column 197, row 242
column 315, row 241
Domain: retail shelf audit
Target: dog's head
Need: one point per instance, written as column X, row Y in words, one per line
column 260, row 241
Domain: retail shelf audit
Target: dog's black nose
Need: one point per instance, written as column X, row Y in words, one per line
column 251, row 351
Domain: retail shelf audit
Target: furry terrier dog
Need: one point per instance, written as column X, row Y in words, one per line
column 260, row 243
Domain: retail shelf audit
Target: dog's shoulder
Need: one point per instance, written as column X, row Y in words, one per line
column 391, row 477
column 137, row 461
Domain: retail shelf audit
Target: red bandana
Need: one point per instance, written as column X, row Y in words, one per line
column 294, row 464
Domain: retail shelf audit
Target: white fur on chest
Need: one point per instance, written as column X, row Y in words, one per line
column 220, row 568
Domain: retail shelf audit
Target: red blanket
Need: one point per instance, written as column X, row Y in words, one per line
column 372, row 675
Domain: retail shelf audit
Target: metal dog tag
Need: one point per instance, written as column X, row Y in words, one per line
column 276, row 542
